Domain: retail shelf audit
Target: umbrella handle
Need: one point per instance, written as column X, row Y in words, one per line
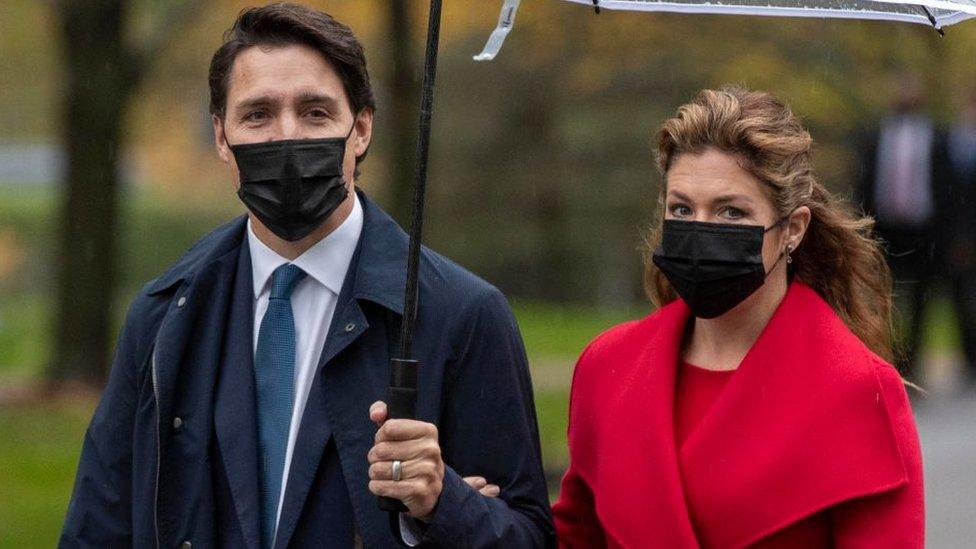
column 401, row 403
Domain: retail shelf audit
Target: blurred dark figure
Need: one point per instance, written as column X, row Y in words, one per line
column 960, row 229
column 904, row 184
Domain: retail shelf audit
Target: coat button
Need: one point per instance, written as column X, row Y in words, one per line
column 350, row 327
column 181, row 302
column 177, row 423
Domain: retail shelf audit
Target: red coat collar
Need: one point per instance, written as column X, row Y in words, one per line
column 799, row 427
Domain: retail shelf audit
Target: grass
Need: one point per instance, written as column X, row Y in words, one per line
column 24, row 336
column 39, row 449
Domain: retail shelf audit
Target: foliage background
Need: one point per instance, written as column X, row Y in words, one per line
column 542, row 176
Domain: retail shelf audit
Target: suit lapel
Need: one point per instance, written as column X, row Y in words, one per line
column 235, row 414
column 642, row 468
column 799, row 427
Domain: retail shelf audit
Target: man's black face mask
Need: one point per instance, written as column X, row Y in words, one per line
column 712, row 266
column 292, row 185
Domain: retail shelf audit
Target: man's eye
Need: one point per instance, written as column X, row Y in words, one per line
column 318, row 113
column 255, row 116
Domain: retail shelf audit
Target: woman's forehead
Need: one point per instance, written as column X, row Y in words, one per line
column 713, row 174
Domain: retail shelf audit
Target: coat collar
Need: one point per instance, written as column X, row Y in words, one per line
column 801, row 426
column 381, row 272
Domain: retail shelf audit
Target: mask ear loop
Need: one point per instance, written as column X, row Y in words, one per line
column 355, row 117
column 789, row 248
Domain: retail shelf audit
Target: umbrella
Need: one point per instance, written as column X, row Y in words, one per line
column 403, row 369
column 936, row 13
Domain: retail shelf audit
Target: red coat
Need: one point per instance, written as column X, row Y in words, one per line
column 812, row 422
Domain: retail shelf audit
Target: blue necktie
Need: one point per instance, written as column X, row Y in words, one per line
column 274, row 375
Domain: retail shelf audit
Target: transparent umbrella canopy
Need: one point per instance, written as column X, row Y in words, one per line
column 934, row 13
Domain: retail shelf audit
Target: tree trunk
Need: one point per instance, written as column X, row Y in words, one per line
column 404, row 107
column 97, row 84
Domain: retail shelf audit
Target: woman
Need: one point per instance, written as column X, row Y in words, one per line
column 757, row 406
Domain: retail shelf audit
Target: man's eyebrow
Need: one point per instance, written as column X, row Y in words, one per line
column 307, row 97
column 260, row 101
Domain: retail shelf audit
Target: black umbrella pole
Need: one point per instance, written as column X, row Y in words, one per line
column 402, row 395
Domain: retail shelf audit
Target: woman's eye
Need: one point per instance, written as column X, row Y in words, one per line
column 680, row 210
column 733, row 213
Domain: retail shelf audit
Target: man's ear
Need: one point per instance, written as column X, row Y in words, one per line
column 364, row 131
column 797, row 225
column 220, row 139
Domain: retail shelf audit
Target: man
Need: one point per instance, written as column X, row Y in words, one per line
column 243, row 403
column 960, row 228
column 903, row 187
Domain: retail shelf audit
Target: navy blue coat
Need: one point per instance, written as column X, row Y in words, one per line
column 170, row 455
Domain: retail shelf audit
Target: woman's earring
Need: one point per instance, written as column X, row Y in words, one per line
column 789, row 250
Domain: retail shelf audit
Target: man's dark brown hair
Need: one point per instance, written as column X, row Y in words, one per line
column 284, row 24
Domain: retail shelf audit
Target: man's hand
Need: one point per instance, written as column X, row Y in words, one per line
column 415, row 445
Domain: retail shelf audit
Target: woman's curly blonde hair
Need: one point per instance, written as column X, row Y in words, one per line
column 839, row 257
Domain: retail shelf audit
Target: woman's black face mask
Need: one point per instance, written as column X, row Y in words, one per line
column 712, row 266
column 292, row 185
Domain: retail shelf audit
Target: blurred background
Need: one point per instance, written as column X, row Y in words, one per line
column 541, row 181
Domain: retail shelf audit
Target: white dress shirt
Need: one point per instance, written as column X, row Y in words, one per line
column 313, row 303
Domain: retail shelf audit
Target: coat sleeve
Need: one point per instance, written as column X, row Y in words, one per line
column 574, row 513
column 576, row 521
column 489, row 429
column 895, row 518
column 100, row 511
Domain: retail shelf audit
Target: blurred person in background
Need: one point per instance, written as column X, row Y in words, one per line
column 757, row 407
column 904, row 186
column 960, row 228
column 242, row 408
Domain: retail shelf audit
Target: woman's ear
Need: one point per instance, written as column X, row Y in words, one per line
column 796, row 226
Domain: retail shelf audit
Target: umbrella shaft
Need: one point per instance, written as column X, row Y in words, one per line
column 423, row 149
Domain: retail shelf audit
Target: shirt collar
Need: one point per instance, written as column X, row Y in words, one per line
column 327, row 261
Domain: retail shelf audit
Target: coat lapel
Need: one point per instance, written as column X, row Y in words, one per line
column 235, row 416
column 799, row 427
column 351, row 384
column 642, row 475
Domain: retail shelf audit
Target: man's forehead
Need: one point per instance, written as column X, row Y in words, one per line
column 291, row 72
